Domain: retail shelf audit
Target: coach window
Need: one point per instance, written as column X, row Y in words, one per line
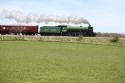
column 4, row 28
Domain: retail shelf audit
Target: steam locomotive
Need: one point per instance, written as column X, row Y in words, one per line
column 59, row 30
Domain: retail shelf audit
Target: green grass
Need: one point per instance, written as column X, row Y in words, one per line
column 58, row 62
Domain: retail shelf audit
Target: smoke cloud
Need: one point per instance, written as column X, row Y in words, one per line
column 20, row 17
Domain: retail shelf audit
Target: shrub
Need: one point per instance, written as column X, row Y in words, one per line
column 115, row 39
column 80, row 38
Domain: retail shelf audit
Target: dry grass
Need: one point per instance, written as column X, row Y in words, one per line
column 88, row 40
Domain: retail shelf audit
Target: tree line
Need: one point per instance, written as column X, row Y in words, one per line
column 120, row 35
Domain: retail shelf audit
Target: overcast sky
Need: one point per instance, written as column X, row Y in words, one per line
column 104, row 15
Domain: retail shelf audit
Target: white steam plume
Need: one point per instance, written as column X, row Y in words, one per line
column 20, row 17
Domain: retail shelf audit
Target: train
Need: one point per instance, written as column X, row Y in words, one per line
column 48, row 30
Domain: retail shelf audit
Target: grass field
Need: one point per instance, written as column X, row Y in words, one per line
column 58, row 62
